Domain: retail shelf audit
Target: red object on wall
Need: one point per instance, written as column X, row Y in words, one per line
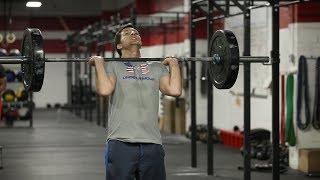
column 231, row 139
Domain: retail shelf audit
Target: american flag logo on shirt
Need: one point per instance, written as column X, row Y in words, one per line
column 130, row 69
column 144, row 69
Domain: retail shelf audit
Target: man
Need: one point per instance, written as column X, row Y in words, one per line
column 134, row 147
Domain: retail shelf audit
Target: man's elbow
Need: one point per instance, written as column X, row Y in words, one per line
column 176, row 92
column 104, row 92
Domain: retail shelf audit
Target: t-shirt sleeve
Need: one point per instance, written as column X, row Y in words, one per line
column 2, row 71
column 163, row 70
column 110, row 68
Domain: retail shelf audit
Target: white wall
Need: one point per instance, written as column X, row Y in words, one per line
column 54, row 89
column 228, row 109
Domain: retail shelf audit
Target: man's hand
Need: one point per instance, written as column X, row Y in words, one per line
column 96, row 61
column 171, row 84
column 170, row 61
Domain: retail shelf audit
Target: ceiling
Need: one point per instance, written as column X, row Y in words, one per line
column 62, row 7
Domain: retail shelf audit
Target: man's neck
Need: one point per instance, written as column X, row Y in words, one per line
column 131, row 53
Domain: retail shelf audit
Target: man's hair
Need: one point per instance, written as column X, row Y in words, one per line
column 117, row 37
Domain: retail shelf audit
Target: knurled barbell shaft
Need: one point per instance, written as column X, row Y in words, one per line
column 22, row 59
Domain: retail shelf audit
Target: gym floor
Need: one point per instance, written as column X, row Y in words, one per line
column 62, row 146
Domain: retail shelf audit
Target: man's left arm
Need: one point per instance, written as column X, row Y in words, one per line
column 171, row 83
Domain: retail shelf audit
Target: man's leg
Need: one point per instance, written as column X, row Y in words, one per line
column 121, row 160
column 151, row 164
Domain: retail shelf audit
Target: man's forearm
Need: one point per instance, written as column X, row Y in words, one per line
column 97, row 82
column 103, row 83
column 175, row 79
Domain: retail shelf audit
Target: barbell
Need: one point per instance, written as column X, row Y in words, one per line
column 223, row 61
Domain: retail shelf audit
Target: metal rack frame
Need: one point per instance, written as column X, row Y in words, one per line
column 245, row 6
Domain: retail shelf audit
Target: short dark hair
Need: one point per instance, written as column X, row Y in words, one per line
column 117, row 37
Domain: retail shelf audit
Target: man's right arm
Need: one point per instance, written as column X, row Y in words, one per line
column 105, row 83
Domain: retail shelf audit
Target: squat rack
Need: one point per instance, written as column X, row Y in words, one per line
column 223, row 7
column 96, row 37
column 93, row 37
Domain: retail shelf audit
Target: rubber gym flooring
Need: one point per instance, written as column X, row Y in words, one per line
column 62, row 146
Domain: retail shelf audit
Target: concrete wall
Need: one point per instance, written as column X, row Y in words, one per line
column 54, row 89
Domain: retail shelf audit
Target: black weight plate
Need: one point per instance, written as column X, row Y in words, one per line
column 224, row 44
column 33, row 71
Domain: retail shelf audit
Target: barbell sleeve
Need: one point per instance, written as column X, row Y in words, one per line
column 254, row 59
column 13, row 61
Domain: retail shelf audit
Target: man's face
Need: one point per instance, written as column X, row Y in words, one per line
column 130, row 36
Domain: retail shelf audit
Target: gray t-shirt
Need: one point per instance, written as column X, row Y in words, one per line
column 134, row 104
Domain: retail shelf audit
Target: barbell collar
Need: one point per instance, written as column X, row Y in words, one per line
column 13, row 61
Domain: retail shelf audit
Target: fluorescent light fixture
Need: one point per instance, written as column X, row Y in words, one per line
column 33, row 4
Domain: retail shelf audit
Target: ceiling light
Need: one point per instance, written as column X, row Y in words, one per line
column 33, row 4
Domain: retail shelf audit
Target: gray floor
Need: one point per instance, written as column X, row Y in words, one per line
column 64, row 147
